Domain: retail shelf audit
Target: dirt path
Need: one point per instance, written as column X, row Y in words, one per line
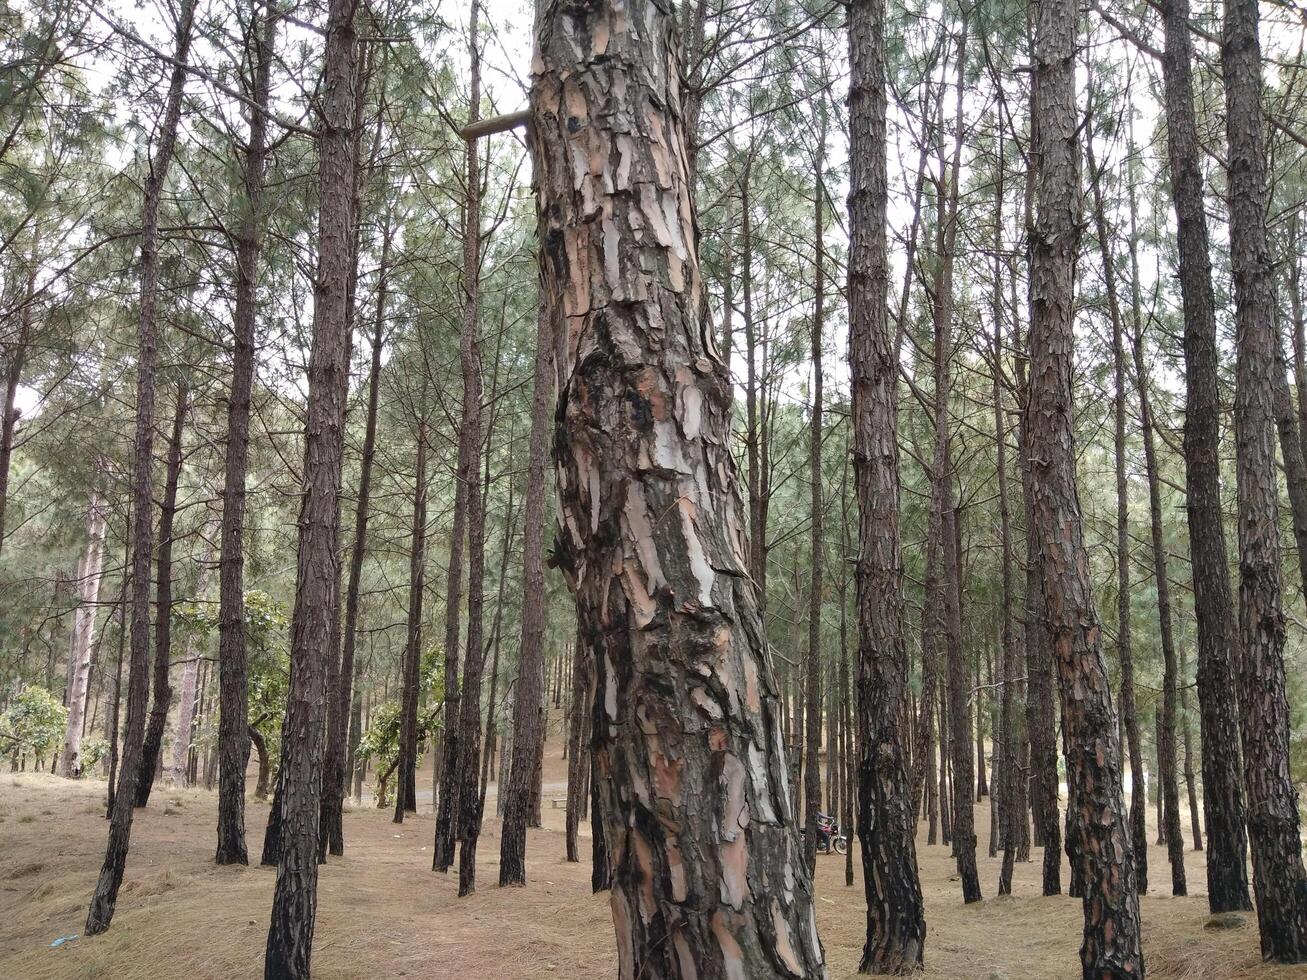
column 382, row 912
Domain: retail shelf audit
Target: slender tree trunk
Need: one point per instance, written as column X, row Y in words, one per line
column 100, row 913
column 528, row 707
column 1160, row 798
column 1279, row 880
column 1218, row 643
column 405, row 774
column 1191, row 789
column 313, row 620
column 89, row 571
column 656, row 554
column 1099, row 832
column 491, row 734
column 896, row 925
column 351, row 694
column 233, row 670
column 261, row 752
column 754, row 437
column 449, row 822
column 186, row 702
column 1124, row 649
column 162, row 702
column 1166, row 752
column 812, row 777
column 111, row 717
column 467, row 757
column 575, row 736
column 15, row 359
column 945, row 761
column 982, row 777
column 1291, row 455
column 1012, row 795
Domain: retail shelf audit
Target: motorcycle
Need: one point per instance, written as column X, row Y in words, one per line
column 831, row 841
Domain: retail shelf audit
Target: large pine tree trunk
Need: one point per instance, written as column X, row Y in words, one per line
column 89, row 571
column 233, row 672
column 100, row 913
column 162, row 683
column 1124, row 649
column 896, row 924
column 1099, row 831
column 528, row 707
column 1279, row 881
column 707, row 878
column 1223, row 803
column 290, row 934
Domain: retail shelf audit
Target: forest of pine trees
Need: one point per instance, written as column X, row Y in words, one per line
column 753, row 430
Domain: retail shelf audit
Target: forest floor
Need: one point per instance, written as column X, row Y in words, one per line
column 382, row 912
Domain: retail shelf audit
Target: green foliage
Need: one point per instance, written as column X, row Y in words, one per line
column 380, row 742
column 34, row 721
column 93, row 750
column 268, row 648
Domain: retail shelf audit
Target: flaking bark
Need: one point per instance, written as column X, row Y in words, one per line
column 707, row 877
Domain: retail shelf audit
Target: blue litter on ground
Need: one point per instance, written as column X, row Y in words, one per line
column 61, row 940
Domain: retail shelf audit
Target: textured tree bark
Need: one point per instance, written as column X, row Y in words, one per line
column 528, row 708
column 261, row 752
column 313, row 620
column 1125, row 653
column 405, row 775
column 162, row 683
column 233, row 672
column 896, row 924
column 100, row 913
column 1279, row 880
column 89, row 571
column 707, row 877
column 1218, row 650
column 1100, row 834
column 812, row 774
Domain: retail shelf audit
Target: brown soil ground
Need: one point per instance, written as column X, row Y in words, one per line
column 382, row 912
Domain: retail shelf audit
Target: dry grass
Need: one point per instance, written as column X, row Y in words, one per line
column 383, row 912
